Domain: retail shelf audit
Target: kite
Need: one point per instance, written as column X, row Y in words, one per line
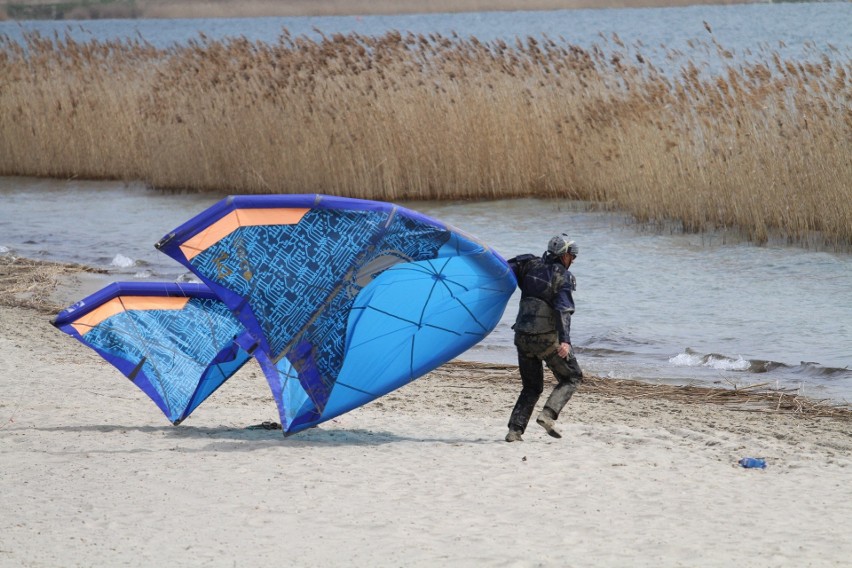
column 177, row 342
column 340, row 301
column 349, row 299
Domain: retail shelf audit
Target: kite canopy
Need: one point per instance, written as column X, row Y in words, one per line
column 348, row 299
column 340, row 300
column 176, row 342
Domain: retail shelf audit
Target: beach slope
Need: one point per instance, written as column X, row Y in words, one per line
column 92, row 474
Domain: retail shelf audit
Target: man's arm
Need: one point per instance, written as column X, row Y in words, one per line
column 563, row 304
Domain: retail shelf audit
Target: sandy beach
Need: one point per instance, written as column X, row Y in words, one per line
column 92, row 474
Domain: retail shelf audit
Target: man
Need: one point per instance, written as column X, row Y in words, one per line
column 542, row 334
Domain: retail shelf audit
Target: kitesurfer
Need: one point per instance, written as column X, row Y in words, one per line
column 542, row 334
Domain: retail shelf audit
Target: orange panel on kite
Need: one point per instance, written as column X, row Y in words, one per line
column 239, row 218
column 124, row 304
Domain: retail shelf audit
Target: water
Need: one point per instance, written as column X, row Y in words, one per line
column 651, row 306
column 802, row 30
column 659, row 307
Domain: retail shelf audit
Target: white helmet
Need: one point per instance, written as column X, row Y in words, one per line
column 560, row 244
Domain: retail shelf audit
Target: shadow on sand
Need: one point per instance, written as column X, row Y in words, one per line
column 249, row 439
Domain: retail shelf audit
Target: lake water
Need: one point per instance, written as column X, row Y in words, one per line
column 650, row 306
column 802, row 30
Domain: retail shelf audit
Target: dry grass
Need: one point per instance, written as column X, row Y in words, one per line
column 752, row 398
column 762, row 147
column 29, row 283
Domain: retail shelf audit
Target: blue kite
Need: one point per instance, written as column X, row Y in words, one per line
column 349, row 299
column 176, row 342
column 340, row 301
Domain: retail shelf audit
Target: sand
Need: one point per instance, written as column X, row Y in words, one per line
column 92, row 474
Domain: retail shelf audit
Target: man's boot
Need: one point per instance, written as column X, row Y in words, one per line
column 547, row 420
column 514, row 436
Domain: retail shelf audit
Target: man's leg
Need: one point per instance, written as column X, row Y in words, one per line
column 569, row 376
column 532, row 379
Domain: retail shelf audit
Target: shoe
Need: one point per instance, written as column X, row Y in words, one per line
column 545, row 421
column 514, row 436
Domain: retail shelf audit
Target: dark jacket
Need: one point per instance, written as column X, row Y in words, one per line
column 546, row 295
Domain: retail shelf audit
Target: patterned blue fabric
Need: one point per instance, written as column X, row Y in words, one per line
column 353, row 301
column 300, row 281
column 350, row 302
column 177, row 357
column 280, row 269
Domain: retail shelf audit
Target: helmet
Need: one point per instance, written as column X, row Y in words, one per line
column 560, row 244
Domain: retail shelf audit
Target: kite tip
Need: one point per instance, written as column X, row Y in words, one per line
column 164, row 241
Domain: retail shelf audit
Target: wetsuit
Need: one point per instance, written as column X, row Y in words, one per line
column 543, row 322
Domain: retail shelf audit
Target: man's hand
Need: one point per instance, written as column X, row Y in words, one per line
column 564, row 350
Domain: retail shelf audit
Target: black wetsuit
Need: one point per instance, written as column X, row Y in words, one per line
column 544, row 321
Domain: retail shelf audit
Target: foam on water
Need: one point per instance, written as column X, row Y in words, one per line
column 121, row 261
column 720, row 363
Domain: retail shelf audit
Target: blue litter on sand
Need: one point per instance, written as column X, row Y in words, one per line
column 753, row 463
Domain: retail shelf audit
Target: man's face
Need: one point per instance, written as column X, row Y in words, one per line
column 567, row 259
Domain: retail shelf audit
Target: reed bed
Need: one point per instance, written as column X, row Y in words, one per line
column 761, row 145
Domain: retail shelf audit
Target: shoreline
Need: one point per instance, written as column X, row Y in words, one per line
column 93, row 473
column 47, row 287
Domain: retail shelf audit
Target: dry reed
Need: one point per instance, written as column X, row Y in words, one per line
column 30, row 283
column 752, row 398
column 762, row 146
